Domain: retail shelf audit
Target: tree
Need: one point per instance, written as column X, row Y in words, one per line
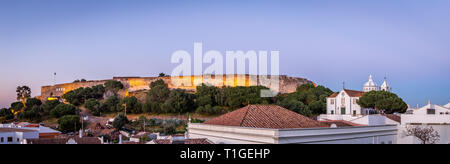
column 120, row 121
column 93, row 106
column 31, row 102
column 23, row 93
column 79, row 96
column 49, row 106
column 17, row 106
column 179, row 102
column 33, row 114
column 97, row 92
column 111, row 104
column 63, row 109
column 427, row 135
column 113, row 85
column 383, row 101
column 169, row 129
column 159, row 92
column 209, row 110
column 158, row 82
column 132, row 104
column 317, row 107
column 162, row 74
column 69, row 123
column 4, row 112
column 307, row 100
column 296, row 106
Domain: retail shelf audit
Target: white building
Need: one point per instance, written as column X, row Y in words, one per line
column 44, row 132
column 16, row 135
column 271, row 124
column 343, row 105
column 432, row 115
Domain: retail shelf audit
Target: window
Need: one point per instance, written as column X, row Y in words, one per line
column 431, row 111
column 354, row 112
column 342, row 111
column 343, row 101
column 332, row 101
column 355, row 101
column 10, row 139
column 332, row 111
column 2, row 140
column 17, row 139
column 390, row 142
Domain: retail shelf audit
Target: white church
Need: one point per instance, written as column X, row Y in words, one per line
column 343, row 105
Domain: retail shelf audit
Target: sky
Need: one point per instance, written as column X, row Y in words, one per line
column 326, row 41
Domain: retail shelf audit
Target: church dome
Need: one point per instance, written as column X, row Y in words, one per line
column 370, row 83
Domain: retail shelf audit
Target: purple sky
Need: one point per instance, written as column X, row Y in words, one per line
column 325, row 41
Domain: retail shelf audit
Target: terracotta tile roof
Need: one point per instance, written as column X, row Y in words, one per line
column 334, row 95
column 84, row 140
column 394, row 117
column 351, row 93
column 265, row 116
column 341, row 123
column 197, row 141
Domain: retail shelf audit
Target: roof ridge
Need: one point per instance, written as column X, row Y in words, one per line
column 245, row 115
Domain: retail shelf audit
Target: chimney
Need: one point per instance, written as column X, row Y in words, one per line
column 120, row 138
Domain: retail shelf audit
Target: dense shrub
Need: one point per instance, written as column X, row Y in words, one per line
column 111, row 104
column 33, row 114
column 113, row 85
column 79, row 96
column 49, row 105
column 93, row 106
column 69, row 123
column 31, row 102
column 132, row 105
column 120, row 121
column 62, row 110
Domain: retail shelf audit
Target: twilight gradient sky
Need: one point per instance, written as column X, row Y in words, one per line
column 326, row 41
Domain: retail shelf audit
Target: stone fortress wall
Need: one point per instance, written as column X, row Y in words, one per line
column 132, row 84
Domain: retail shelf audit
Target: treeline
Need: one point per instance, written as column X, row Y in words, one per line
column 308, row 100
column 35, row 111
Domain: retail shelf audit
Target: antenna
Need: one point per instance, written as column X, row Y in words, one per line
column 343, row 85
column 54, row 78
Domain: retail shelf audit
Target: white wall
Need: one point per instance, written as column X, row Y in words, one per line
column 241, row 135
column 349, row 104
column 443, row 130
column 18, row 135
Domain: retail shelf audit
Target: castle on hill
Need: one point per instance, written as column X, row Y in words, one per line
column 287, row 84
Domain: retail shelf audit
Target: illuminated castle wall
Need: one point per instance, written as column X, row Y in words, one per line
column 132, row 84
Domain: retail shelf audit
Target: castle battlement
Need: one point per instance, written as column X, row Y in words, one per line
column 131, row 84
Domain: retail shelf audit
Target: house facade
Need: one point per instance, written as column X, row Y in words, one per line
column 430, row 115
column 255, row 124
column 343, row 105
column 16, row 135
